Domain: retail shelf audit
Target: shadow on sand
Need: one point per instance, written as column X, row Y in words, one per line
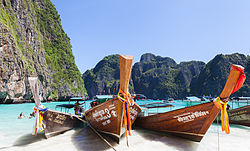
column 85, row 139
column 170, row 140
column 28, row 139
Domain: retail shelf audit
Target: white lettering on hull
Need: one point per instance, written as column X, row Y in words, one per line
column 133, row 113
column 105, row 115
column 190, row 116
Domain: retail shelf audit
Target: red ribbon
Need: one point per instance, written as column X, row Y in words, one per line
column 241, row 80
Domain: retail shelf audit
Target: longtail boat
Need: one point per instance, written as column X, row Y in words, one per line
column 52, row 122
column 115, row 116
column 193, row 122
column 240, row 116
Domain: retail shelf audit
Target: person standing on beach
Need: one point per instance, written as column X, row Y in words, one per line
column 77, row 107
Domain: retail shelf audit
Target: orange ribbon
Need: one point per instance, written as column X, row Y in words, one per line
column 223, row 105
column 127, row 101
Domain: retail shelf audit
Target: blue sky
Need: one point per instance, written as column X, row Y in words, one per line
column 184, row 30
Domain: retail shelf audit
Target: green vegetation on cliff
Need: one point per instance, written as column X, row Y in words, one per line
column 58, row 49
column 213, row 77
column 160, row 77
column 32, row 31
column 104, row 78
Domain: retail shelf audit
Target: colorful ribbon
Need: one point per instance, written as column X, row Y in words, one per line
column 39, row 117
column 241, row 80
column 224, row 116
column 127, row 101
column 223, row 105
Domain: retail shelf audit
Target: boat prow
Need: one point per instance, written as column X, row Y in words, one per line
column 108, row 117
column 193, row 122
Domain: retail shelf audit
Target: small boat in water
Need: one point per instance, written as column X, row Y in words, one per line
column 193, row 122
column 79, row 110
column 52, row 122
column 98, row 99
column 192, row 99
column 169, row 100
column 113, row 116
column 157, row 105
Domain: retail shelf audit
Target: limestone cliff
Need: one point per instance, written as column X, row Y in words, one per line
column 161, row 77
column 33, row 43
column 213, row 77
column 104, row 78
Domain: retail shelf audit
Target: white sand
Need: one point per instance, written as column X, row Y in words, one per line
column 142, row 140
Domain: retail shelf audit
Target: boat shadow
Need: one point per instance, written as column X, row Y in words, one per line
column 179, row 143
column 85, row 139
column 28, row 139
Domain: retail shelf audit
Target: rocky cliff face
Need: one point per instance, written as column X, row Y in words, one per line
column 33, row 43
column 104, row 78
column 159, row 78
column 213, row 77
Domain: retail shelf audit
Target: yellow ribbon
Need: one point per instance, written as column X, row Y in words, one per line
column 40, row 121
column 224, row 116
column 40, row 125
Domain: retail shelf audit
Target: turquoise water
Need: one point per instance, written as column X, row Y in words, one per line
column 11, row 127
column 181, row 104
column 15, row 134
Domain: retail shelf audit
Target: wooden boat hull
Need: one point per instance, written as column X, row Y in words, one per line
column 108, row 117
column 190, row 122
column 57, row 122
column 240, row 116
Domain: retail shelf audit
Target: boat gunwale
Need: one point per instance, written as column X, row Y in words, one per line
column 176, row 110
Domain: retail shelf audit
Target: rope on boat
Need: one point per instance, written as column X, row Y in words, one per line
column 218, row 134
column 97, row 133
column 81, row 120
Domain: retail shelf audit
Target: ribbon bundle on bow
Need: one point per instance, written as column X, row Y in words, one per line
column 127, row 101
column 39, row 111
column 223, row 105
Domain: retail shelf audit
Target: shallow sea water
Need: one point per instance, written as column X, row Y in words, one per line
column 15, row 135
